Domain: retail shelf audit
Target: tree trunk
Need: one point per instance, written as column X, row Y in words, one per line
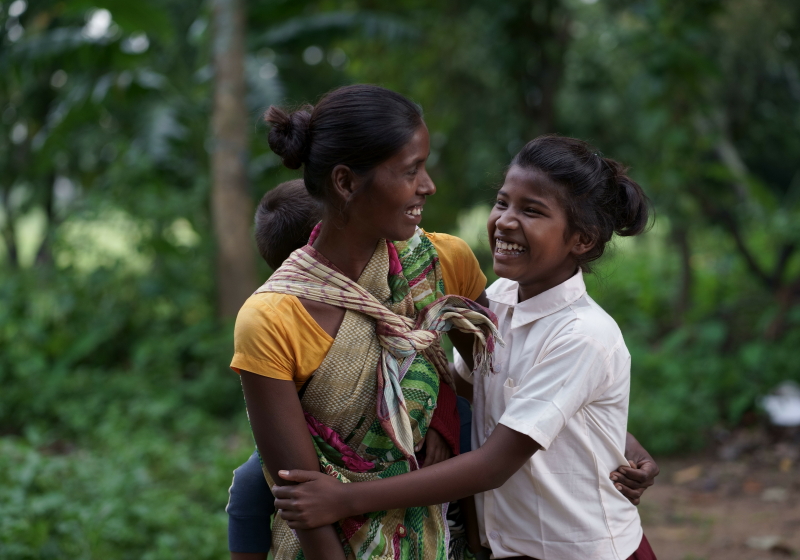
column 44, row 256
column 538, row 35
column 684, row 299
column 231, row 206
column 8, row 233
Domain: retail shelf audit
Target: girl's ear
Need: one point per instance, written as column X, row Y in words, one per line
column 344, row 182
column 583, row 243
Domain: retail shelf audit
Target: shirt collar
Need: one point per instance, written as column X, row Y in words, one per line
column 549, row 302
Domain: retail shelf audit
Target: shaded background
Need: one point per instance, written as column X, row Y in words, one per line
column 132, row 153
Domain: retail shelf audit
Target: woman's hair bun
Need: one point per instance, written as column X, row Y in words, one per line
column 289, row 136
column 631, row 208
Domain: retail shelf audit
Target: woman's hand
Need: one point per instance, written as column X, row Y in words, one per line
column 436, row 448
column 320, row 500
column 633, row 480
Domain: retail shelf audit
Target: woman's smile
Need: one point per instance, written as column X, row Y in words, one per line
column 414, row 211
column 391, row 207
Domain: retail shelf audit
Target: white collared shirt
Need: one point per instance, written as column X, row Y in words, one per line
column 563, row 379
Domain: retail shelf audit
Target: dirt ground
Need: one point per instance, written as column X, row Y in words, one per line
column 726, row 505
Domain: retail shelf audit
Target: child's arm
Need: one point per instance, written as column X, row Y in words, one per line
column 323, row 500
column 282, row 437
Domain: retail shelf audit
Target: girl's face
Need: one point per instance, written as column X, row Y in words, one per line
column 391, row 205
column 528, row 233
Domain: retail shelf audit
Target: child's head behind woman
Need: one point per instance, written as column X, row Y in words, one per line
column 284, row 220
column 559, row 206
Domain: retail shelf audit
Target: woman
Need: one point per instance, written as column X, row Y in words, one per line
column 336, row 320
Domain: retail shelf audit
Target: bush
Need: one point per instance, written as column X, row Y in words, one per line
column 121, row 421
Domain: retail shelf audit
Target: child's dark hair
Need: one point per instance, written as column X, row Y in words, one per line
column 284, row 220
column 599, row 197
column 359, row 126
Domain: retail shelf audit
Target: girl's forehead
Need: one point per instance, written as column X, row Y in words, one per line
column 521, row 182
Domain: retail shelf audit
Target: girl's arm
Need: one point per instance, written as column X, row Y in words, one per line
column 282, row 437
column 323, row 500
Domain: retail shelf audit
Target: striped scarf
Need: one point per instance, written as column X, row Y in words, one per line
column 308, row 274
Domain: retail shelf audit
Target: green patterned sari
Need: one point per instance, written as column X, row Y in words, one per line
column 372, row 398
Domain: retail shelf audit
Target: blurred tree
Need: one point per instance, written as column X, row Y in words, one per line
column 232, row 207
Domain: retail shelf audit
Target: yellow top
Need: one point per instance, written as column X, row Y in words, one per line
column 276, row 337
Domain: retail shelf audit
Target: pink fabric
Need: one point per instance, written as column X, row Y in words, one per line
column 350, row 458
column 314, row 234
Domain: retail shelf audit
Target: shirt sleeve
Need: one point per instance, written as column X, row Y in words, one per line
column 569, row 377
column 261, row 343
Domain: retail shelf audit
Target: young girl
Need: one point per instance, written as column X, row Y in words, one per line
column 551, row 419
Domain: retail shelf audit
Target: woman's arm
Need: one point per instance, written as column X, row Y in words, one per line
column 282, row 437
column 323, row 500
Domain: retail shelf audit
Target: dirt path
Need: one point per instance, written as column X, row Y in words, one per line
column 704, row 508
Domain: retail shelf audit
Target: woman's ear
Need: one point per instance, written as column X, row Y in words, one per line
column 344, row 183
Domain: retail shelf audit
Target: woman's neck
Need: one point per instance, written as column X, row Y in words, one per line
column 347, row 248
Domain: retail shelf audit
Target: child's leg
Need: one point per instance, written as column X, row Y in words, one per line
column 249, row 509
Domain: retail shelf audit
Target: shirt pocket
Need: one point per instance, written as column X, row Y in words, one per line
column 509, row 388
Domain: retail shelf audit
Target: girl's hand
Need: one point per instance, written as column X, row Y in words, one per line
column 633, row 480
column 436, row 448
column 318, row 500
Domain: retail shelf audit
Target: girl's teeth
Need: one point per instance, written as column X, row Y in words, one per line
column 509, row 248
column 415, row 211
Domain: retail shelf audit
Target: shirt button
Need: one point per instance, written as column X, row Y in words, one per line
column 494, row 535
column 487, row 432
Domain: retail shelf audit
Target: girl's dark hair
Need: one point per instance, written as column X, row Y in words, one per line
column 596, row 192
column 284, row 220
column 358, row 126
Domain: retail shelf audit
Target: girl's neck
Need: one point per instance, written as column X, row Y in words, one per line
column 347, row 248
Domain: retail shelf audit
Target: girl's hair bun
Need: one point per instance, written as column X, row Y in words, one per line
column 290, row 135
column 631, row 207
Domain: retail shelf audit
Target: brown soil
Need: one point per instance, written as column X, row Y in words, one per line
column 745, row 508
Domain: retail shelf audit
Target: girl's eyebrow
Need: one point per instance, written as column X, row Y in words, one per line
column 528, row 200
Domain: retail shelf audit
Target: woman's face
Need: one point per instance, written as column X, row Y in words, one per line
column 528, row 233
column 391, row 205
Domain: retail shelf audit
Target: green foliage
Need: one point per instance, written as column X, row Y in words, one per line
column 701, row 374
column 121, row 425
